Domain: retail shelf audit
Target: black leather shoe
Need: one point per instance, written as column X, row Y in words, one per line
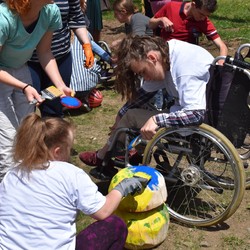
column 104, row 175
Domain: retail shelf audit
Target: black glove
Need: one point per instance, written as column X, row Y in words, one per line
column 131, row 185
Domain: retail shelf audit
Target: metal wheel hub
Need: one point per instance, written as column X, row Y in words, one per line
column 191, row 176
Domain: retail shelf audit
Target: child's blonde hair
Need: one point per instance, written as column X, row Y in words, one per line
column 36, row 137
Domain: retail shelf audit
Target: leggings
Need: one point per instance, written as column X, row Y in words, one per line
column 108, row 234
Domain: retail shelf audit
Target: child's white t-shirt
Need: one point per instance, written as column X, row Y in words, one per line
column 39, row 212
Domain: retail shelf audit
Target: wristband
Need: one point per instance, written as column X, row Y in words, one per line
column 27, row 85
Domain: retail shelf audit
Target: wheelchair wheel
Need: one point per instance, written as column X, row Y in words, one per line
column 203, row 172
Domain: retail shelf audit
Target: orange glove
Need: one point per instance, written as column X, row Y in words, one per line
column 88, row 54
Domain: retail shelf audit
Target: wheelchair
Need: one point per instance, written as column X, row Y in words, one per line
column 106, row 68
column 202, row 166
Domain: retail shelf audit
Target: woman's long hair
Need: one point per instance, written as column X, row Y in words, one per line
column 136, row 48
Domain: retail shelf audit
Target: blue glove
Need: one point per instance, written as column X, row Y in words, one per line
column 131, row 185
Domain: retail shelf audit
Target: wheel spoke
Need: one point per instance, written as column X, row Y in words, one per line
column 203, row 173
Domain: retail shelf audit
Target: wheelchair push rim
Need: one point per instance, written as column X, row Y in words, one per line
column 204, row 175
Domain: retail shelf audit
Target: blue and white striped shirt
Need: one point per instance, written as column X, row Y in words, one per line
column 72, row 17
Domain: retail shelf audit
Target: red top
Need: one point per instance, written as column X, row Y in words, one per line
column 184, row 28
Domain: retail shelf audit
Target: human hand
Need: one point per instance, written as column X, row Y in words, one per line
column 32, row 94
column 167, row 24
column 149, row 129
column 131, row 185
column 66, row 91
column 88, row 54
column 221, row 62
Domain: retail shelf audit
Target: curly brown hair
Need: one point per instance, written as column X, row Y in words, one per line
column 136, row 48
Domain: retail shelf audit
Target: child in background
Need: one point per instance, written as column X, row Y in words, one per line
column 42, row 196
column 135, row 22
column 25, row 25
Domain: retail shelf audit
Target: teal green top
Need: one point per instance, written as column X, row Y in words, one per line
column 17, row 44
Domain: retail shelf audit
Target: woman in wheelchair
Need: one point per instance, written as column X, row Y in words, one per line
column 182, row 68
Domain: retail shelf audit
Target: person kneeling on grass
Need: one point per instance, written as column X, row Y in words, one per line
column 40, row 198
column 182, row 68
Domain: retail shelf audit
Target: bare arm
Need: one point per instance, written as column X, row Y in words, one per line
column 222, row 48
column 162, row 22
column 49, row 64
column 113, row 199
column 82, row 35
column 30, row 92
column 125, row 187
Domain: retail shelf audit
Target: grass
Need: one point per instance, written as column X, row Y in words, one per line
column 231, row 19
column 233, row 242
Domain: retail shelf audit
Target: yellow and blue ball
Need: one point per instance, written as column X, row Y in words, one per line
column 154, row 194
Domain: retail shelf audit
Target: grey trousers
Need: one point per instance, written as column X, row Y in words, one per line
column 13, row 108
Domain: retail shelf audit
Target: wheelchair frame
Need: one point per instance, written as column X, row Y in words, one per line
column 105, row 67
column 204, row 172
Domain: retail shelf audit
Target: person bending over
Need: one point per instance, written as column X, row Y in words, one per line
column 186, row 20
column 181, row 67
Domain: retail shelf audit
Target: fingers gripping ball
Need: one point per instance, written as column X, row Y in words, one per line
column 153, row 195
column 95, row 98
column 147, row 229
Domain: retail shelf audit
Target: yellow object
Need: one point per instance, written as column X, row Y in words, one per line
column 153, row 195
column 52, row 91
column 146, row 229
column 143, row 175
